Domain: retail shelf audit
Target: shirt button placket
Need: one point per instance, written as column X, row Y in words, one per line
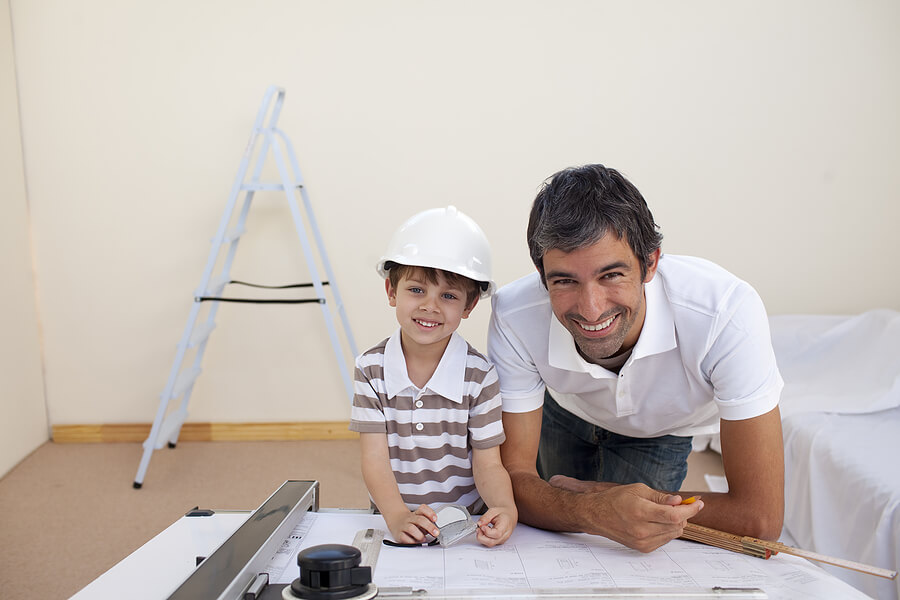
column 418, row 404
column 623, row 398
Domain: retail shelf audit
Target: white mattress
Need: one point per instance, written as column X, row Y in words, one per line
column 842, row 492
column 840, row 412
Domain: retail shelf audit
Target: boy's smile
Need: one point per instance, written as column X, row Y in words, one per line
column 428, row 313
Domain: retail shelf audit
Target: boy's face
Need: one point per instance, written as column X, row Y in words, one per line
column 428, row 313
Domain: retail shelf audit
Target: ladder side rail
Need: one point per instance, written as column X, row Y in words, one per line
column 276, row 110
column 250, row 193
column 152, row 439
column 311, row 265
column 323, row 255
column 239, row 180
column 151, row 442
column 211, row 315
column 226, row 267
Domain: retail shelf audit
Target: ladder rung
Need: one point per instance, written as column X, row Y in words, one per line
column 266, row 187
column 184, row 381
column 260, row 300
column 201, row 334
column 234, row 234
column 174, row 420
column 215, row 286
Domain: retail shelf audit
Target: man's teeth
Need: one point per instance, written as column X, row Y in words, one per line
column 426, row 323
column 598, row 326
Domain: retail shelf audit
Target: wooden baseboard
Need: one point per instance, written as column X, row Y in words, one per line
column 207, row 432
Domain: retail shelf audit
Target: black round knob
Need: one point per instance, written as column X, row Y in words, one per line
column 331, row 572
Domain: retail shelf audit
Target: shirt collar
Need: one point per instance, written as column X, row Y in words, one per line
column 447, row 379
column 657, row 335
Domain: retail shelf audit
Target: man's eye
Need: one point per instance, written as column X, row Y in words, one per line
column 559, row 282
column 614, row 275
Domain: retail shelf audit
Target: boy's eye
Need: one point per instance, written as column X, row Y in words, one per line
column 449, row 296
column 415, row 290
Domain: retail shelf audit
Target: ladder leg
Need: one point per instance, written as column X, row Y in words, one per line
column 317, row 236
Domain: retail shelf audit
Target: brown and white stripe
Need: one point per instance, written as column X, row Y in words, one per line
column 430, row 436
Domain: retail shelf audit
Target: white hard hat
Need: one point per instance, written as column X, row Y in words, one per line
column 442, row 238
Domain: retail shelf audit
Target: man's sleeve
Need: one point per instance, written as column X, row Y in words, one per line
column 521, row 385
column 741, row 362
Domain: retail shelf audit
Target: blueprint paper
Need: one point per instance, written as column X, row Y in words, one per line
column 535, row 559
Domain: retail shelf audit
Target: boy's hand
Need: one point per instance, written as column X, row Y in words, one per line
column 496, row 525
column 411, row 527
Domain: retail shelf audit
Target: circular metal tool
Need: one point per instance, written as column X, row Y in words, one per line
column 331, row 572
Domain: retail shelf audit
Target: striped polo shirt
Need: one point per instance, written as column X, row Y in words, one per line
column 430, row 431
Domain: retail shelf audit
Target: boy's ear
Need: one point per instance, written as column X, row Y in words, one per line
column 468, row 310
column 391, row 292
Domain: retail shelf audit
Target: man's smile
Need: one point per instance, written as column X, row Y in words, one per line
column 602, row 325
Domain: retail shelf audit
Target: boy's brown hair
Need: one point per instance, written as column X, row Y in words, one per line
column 472, row 288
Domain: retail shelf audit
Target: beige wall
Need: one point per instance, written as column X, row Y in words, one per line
column 23, row 426
column 765, row 136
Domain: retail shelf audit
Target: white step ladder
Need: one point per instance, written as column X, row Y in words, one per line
column 167, row 427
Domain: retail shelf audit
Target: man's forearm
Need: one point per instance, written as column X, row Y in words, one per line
column 754, row 517
column 544, row 506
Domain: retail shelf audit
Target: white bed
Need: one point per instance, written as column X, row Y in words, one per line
column 840, row 413
column 841, row 419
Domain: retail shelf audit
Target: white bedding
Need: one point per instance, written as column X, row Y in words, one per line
column 842, row 491
column 840, row 412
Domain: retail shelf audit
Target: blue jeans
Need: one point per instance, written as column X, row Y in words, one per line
column 573, row 447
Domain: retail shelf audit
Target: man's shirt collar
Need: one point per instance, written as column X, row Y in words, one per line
column 657, row 335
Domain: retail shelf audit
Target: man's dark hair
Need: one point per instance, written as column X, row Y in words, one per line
column 578, row 206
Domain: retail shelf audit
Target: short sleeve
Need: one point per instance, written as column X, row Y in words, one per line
column 741, row 362
column 521, row 385
column 367, row 410
column 485, row 410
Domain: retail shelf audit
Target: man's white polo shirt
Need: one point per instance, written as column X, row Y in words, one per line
column 704, row 352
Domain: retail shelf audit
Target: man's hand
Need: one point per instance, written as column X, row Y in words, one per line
column 638, row 516
column 411, row 527
column 633, row 515
column 629, row 514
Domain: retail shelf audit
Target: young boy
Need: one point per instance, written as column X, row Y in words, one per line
column 426, row 404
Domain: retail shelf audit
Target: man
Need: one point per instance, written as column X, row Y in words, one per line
column 612, row 356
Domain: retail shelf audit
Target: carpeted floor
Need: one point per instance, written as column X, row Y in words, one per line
column 68, row 512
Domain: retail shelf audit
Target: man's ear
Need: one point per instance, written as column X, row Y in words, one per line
column 390, row 291
column 468, row 310
column 652, row 264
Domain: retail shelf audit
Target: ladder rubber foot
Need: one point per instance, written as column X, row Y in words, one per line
column 137, row 485
column 171, row 445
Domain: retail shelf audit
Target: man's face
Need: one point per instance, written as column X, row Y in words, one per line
column 597, row 293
